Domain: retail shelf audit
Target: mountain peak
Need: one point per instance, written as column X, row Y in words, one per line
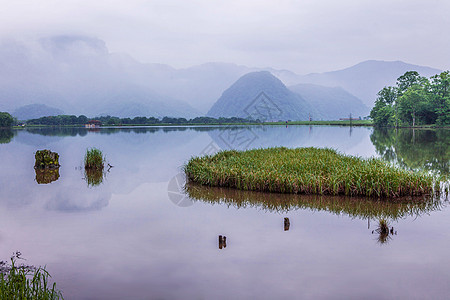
column 260, row 95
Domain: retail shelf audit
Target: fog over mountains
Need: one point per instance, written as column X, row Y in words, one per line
column 332, row 102
column 78, row 75
column 365, row 79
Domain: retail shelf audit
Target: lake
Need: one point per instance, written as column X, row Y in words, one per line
column 136, row 233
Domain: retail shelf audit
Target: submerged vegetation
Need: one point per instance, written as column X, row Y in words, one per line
column 308, row 171
column 26, row 282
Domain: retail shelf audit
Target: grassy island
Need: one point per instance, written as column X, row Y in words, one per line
column 307, row 171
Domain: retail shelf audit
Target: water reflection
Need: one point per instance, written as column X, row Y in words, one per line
column 45, row 176
column 6, row 135
column 93, row 177
column 81, row 131
column 423, row 149
column 360, row 208
column 132, row 209
column 247, row 137
column 58, row 131
column 384, row 233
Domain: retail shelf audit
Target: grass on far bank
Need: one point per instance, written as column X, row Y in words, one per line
column 308, row 171
column 329, row 123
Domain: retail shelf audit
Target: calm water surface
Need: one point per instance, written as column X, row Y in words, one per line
column 137, row 236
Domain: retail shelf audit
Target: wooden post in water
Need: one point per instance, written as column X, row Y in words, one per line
column 222, row 242
column 287, row 224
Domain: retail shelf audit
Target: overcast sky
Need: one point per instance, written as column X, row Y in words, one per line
column 303, row 36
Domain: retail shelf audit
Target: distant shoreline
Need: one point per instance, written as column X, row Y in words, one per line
column 346, row 123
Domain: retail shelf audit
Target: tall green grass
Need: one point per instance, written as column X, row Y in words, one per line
column 24, row 282
column 307, row 171
column 94, row 159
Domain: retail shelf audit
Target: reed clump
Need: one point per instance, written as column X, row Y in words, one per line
column 94, row 159
column 307, row 171
column 25, row 282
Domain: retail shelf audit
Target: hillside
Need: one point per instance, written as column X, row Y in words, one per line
column 365, row 79
column 34, row 111
column 78, row 75
column 332, row 103
column 260, row 95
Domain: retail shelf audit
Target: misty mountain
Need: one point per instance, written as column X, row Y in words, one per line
column 334, row 103
column 365, row 79
column 78, row 75
column 201, row 85
column 260, row 95
column 34, row 111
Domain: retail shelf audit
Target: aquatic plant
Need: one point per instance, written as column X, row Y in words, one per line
column 307, row 171
column 46, row 159
column 94, row 159
column 383, row 232
column 26, row 282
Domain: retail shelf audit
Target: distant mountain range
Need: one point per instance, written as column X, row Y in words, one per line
column 365, row 79
column 78, row 75
column 34, row 111
column 332, row 102
column 260, row 95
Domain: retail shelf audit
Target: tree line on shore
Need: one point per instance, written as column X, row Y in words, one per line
column 112, row 121
column 414, row 100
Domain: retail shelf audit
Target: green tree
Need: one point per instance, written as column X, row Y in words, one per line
column 413, row 104
column 440, row 90
column 6, row 120
column 82, row 119
column 409, row 79
column 383, row 113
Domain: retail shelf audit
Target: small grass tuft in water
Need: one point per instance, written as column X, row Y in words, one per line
column 307, row 171
column 94, row 159
column 383, row 232
column 25, row 282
